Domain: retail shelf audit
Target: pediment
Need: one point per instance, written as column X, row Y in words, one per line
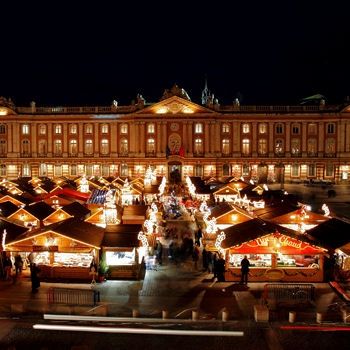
column 175, row 105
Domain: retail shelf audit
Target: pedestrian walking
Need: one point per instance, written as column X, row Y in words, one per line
column 220, row 270
column 244, row 270
column 205, row 259
column 195, row 256
column 34, row 276
column 18, row 265
column 7, row 268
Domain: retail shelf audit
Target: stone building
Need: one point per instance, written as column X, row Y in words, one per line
column 263, row 143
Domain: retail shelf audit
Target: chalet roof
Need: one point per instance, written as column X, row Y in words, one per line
column 272, row 211
column 40, row 210
column 7, row 208
column 221, row 209
column 333, row 233
column 201, row 187
column 255, row 228
column 13, row 230
column 135, row 210
column 121, row 236
column 73, row 228
column 151, row 189
column 76, row 209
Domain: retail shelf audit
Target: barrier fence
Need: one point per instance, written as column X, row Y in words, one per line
column 73, row 296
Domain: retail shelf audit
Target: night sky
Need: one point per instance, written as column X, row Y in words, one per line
column 83, row 53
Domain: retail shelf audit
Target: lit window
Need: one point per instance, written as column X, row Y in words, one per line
column 198, row 128
column 198, row 146
column 104, row 146
column 279, row 149
column 295, row 146
column 73, row 129
column 58, row 129
column 124, row 146
column 42, row 129
column 124, row 129
column 73, row 147
column 151, row 146
column 57, row 147
column 105, row 170
column 58, row 170
column 198, row 170
column 246, row 170
column 124, row 170
column 2, row 170
column 73, row 170
column 25, row 129
column 43, row 169
column 104, row 129
column 246, row 146
column 262, row 128
column 245, row 128
column 225, row 128
column 225, row 146
column 88, row 147
column 329, row 170
column 88, row 129
column 26, row 170
column 262, row 146
column 279, row 128
column 295, row 170
column 151, row 128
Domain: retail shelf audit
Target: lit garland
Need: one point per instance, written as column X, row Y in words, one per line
column 218, row 242
column 326, row 209
column 149, row 226
column 191, row 186
column 162, row 186
column 142, row 237
column 150, row 176
column 3, row 241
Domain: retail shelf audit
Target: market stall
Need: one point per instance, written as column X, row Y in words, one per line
column 64, row 250
column 275, row 253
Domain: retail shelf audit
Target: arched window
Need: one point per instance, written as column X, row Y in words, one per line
column 25, row 129
column 330, row 128
column 295, row 129
column 262, row 128
column 104, row 146
column 58, row 129
column 25, row 147
column 245, row 128
column 279, row 129
column 88, row 147
column 73, row 147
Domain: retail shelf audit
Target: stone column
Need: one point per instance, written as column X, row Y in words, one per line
column 49, row 138
column 254, row 139
column 158, row 139
column 212, row 138
column 132, row 137
column 190, row 138
column 96, row 132
column 320, row 131
column 304, row 138
column 271, row 139
column 65, row 139
column 80, row 139
column 236, row 139
column 142, row 137
column 164, row 137
column 217, row 138
column 9, row 138
column 206, row 139
column 287, row 138
column 33, row 141
column 184, row 138
column 114, row 138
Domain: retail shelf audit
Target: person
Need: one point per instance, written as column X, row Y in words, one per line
column 7, row 268
column 34, row 276
column 221, row 269
column 205, row 260
column 195, row 257
column 244, row 270
column 159, row 252
column 18, row 265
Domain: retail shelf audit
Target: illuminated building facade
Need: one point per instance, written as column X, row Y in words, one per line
column 175, row 135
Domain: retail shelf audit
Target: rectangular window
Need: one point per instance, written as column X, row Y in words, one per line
column 262, row 128
column 255, row 260
column 330, row 128
column 58, row 170
column 25, row 129
column 311, row 170
column 295, row 170
column 329, row 170
column 198, row 128
column 58, row 129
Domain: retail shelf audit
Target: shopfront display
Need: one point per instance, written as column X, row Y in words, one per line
column 277, row 257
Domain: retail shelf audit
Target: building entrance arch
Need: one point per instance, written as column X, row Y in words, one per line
column 174, row 172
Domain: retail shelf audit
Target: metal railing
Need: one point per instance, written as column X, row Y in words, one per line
column 289, row 291
column 72, row 296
